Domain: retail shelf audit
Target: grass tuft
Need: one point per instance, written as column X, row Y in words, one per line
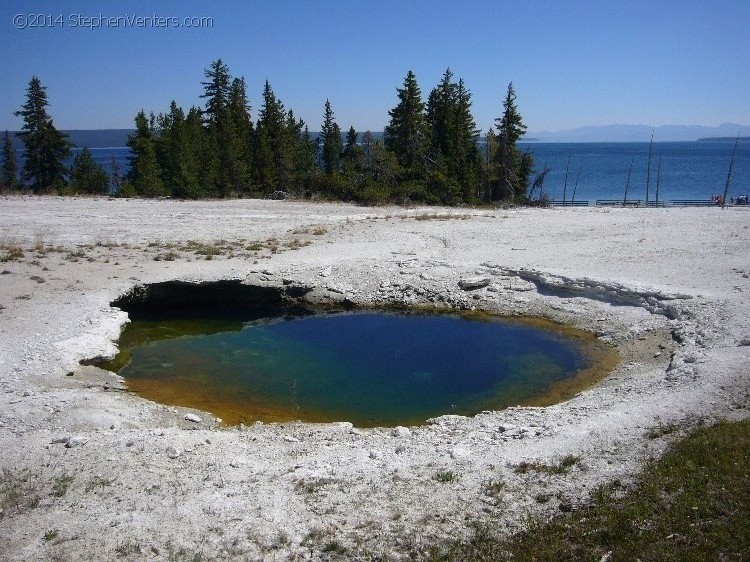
column 446, row 476
column 562, row 467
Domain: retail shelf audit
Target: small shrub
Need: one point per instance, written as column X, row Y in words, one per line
column 128, row 548
column 661, row 430
column 167, row 256
column 98, row 482
column 20, row 490
column 75, row 255
column 334, row 547
column 493, row 488
column 11, row 253
column 61, row 484
column 446, row 476
column 561, row 467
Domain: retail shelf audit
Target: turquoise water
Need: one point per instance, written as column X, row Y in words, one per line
column 372, row 369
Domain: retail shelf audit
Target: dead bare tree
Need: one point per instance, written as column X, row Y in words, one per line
column 648, row 169
column 627, row 183
column 565, row 187
column 729, row 174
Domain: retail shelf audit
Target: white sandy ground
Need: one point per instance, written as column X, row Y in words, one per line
column 281, row 491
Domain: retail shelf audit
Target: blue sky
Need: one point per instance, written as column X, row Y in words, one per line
column 572, row 63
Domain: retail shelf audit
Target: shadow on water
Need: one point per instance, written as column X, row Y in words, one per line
column 258, row 355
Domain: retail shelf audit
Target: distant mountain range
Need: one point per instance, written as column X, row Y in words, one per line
column 108, row 138
column 638, row 133
column 92, row 138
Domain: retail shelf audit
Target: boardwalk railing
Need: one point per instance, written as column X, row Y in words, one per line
column 743, row 200
column 618, row 203
column 692, row 203
column 569, row 203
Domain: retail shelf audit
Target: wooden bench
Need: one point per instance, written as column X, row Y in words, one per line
column 656, row 204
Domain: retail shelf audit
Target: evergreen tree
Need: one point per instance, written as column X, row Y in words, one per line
column 46, row 147
column 468, row 157
column 217, row 147
column 238, row 156
column 405, row 133
column 176, row 155
column 454, row 156
column 216, row 91
column 440, row 115
column 144, row 175
column 195, row 157
column 352, row 151
column 368, row 144
column 490, row 177
column 513, row 168
column 274, row 151
column 305, row 164
column 116, row 179
column 88, row 177
column 9, row 171
column 332, row 145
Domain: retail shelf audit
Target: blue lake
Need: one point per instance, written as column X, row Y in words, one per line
column 689, row 170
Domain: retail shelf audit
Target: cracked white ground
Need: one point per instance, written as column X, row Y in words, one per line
column 146, row 483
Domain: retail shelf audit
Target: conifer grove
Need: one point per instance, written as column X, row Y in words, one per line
column 430, row 150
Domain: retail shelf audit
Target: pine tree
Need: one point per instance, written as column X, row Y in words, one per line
column 332, row 145
column 88, row 177
column 405, row 133
column 216, row 91
column 9, row 171
column 175, row 153
column 454, row 160
column 274, row 154
column 217, row 148
column 440, row 116
column 46, row 147
column 305, row 164
column 238, row 155
column 513, row 168
column 350, row 150
column 368, row 144
column 468, row 157
column 489, row 180
column 144, row 175
column 116, row 179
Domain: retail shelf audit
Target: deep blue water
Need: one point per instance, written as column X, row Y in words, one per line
column 367, row 368
column 689, row 170
column 104, row 157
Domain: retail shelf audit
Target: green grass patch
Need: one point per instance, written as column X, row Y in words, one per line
column 562, row 467
column 692, row 504
column 446, row 476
